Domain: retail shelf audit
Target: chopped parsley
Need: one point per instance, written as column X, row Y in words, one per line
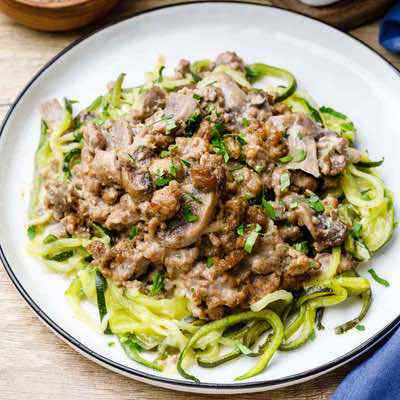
column 31, row 232
column 241, row 138
column 158, row 284
column 240, row 230
column 132, row 160
column 197, row 97
column 245, row 122
column 300, row 155
column 269, row 208
column 251, row 239
column 356, row 230
column 360, row 327
column 188, row 216
column 302, row 247
column 258, row 169
column 315, row 203
column 173, row 169
column 193, row 123
column 238, row 177
column 286, row 159
column 209, row 262
column 186, row 163
column 219, row 148
column 284, row 181
column 165, row 153
column 134, row 232
column 49, row 239
column 377, row 278
column 162, row 180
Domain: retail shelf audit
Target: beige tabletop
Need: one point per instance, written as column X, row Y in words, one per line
column 34, row 363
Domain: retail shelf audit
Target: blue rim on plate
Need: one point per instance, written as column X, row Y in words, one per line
column 292, row 379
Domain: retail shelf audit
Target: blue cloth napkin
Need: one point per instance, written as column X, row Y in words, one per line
column 377, row 378
column 389, row 35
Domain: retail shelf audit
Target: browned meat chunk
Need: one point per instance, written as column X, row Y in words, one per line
column 231, row 59
column 165, row 202
column 105, row 167
column 178, row 261
column 149, row 103
column 93, row 137
column 136, row 182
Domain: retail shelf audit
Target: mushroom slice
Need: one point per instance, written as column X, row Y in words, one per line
column 199, row 208
column 302, row 146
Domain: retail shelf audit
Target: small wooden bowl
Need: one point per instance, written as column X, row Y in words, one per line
column 53, row 15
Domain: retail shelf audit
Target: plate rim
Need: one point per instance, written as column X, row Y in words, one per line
column 145, row 376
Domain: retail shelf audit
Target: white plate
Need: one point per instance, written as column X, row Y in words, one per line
column 335, row 68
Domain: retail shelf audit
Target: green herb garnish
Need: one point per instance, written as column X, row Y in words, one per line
column 134, row 232
column 240, row 230
column 186, row 163
column 209, row 262
column 251, row 239
column 377, row 278
column 245, row 122
column 360, row 327
column 31, row 232
column 269, row 208
column 158, row 284
column 302, row 247
column 49, row 239
column 315, row 203
column 286, row 159
column 300, row 155
column 188, row 216
column 284, row 181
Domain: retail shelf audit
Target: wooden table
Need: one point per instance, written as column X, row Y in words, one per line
column 35, row 364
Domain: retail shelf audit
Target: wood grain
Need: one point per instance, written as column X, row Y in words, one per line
column 56, row 16
column 35, row 364
column 345, row 14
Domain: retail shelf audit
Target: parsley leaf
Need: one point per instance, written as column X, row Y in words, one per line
column 315, row 203
column 251, row 239
column 219, row 148
column 240, row 230
column 269, row 208
column 302, row 247
column 193, row 123
column 31, row 232
column 197, row 97
column 286, row 159
column 186, row 163
column 377, row 278
column 356, row 231
column 300, row 155
column 209, row 262
column 49, row 239
column 360, row 327
column 158, row 284
column 173, row 169
column 188, row 216
column 134, row 232
column 245, row 122
column 284, row 181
